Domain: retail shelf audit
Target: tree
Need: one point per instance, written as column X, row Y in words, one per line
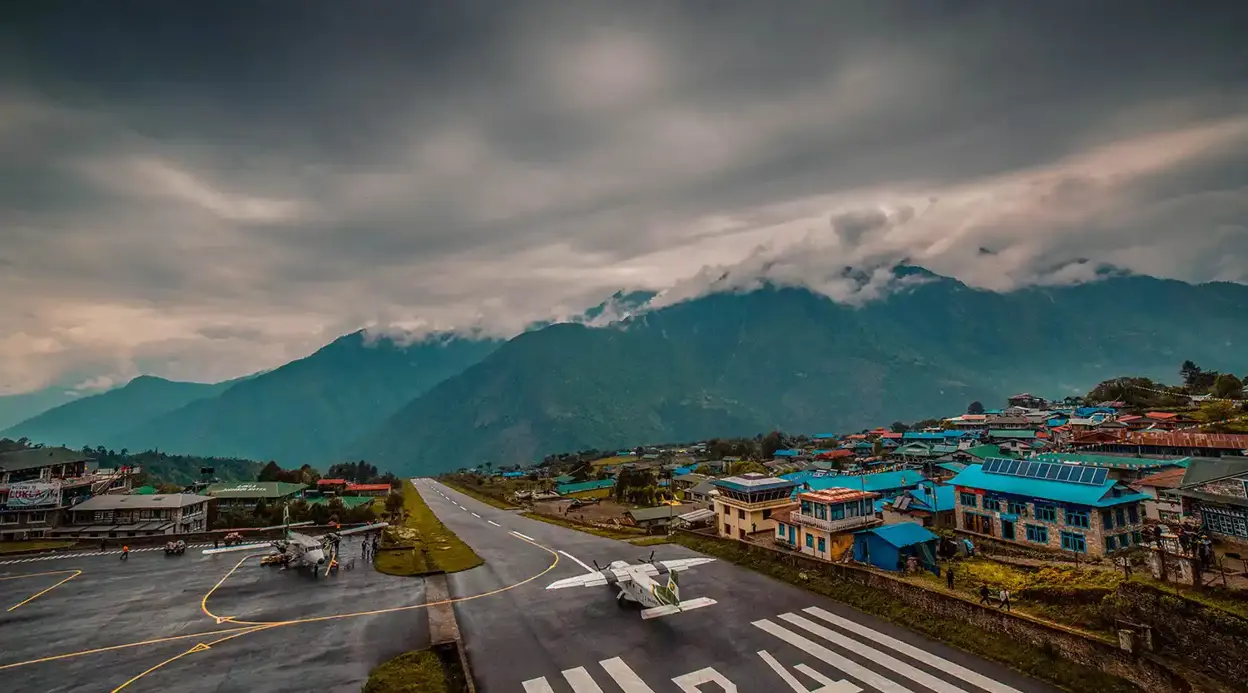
column 270, row 472
column 1191, row 373
column 1227, row 386
column 771, row 443
column 394, row 502
column 975, row 407
column 898, row 427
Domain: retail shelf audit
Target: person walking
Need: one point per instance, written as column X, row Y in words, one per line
column 983, row 594
column 104, row 544
column 1005, row 599
column 125, row 553
column 949, row 576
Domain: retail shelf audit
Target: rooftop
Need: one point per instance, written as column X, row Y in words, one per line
column 368, row 487
column 877, row 482
column 836, row 495
column 1014, row 477
column 1182, row 439
column 33, row 458
column 655, row 513
column 1110, row 461
column 902, row 534
column 254, row 489
column 140, row 502
column 753, row 482
column 1171, row 478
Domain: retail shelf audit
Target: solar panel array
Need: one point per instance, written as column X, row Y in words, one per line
column 1051, row 471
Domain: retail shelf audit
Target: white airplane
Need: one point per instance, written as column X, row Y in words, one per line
column 636, row 586
column 298, row 550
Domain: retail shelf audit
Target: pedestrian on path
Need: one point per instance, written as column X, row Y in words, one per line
column 125, row 553
column 983, row 594
column 104, row 544
column 1005, row 599
column 949, row 576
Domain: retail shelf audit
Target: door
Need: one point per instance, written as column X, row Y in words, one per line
column 1007, row 530
column 792, row 535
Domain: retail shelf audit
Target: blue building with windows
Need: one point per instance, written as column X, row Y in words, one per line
column 1064, row 507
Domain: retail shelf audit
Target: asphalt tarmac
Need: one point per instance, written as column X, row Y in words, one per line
column 761, row 636
column 61, row 639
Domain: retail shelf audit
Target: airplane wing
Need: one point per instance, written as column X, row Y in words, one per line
column 238, row 547
column 684, row 563
column 596, row 578
column 365, row 528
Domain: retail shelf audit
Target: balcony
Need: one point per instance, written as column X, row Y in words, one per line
column 845, row 525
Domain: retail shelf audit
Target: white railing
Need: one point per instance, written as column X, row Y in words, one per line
column 833, row 525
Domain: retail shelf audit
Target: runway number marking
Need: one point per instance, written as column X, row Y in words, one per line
column 689, row 682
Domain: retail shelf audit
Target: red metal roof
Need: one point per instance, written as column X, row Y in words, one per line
column 1171, row 478
column 1184, row 439
column 833, row 454
column 368, row 487
column 331, row 482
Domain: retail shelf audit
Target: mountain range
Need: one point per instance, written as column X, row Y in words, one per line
column 724, row 364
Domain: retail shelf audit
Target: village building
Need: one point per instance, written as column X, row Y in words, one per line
column 1027, row 400
column 367, row 490
column 38, row 485
column 1214, row 493
column 928, row 505
column 687, row 481
column 1162, row 504
column 744, row 503
column 128, row 515
column 244, row 495
column 656, row 518
column 1121, row 467
column 892, row 546
column 701, row 493
column 822, row 523
column 1049, row 505
column 1165, row 443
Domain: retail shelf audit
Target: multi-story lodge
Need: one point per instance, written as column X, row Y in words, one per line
column 744, row 504
column 122, row 515
column 38, row 485
column 822, row 523
column 1048, row 505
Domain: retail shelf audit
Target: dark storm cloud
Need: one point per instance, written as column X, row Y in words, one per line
column 232, row 180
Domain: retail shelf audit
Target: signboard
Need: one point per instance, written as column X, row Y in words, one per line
column 34, row 495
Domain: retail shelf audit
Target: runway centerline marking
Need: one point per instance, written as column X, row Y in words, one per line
column 476, row 516
column 494, row 523
column 42, row 592
column 578, row 561
column 524, row 536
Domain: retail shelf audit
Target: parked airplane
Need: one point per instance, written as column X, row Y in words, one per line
column 636, row 586
column 298, row 551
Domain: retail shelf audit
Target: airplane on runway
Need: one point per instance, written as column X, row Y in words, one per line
column 299, row 551
column 636, row 586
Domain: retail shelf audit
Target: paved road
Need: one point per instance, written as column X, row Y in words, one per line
column 152, row 596
column 762, row 636
column 74, row 555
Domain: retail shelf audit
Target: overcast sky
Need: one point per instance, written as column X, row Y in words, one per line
column 202, row 189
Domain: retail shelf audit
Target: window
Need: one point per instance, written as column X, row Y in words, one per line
column 838, row 512
column 821, row 511
column 38, row 517
column 8, row 519
column 991, row 504
column 1121, row 513
column 727, row 529
column 767, row 514
column 968, row 499
column 1016, row 508
column 1107, row 519
column 740, row 514
column 1046, row 513
column 1135, row 537
column 1038, row 534
column 1074, row 542
column 810, row 540
column 780, row 529
column 725, row 510
column 1133, row 513
column 1078, row 518
column 822, row 545
column 852, row 510
column 1111, row 543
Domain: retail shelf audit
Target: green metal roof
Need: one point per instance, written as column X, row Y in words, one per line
column 347, row 501
column 982, row 451
column 254, row 489
column 144, row 491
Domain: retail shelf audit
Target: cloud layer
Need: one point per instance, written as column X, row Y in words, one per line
column 204, row 194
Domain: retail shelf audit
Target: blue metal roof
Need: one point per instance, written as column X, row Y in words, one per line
column 513, row 475
column 881, row 481
column 824, row 436
column 679, row 471
column 902, row 534
column 922, row 435
column 1095, row 495
column 787, row 453
column 932, row 497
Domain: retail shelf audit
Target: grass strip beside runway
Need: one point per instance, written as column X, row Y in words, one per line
column 419, row 544
column 410, row 672
column 474, row 493
column 609, row 533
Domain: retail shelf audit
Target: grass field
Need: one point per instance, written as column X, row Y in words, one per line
column 33, row 545
column 494, row 494
column 420, row 544
column 612, row 461
column 410, row 672
column 594, row 493
column 622, row 533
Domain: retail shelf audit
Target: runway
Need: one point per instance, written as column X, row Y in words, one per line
column 144, row 625
column 762, row 635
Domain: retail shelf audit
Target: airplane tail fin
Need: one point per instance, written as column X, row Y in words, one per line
column 673, row 584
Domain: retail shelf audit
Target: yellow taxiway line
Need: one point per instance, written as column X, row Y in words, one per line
column 248, row 627
column 40, row 593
